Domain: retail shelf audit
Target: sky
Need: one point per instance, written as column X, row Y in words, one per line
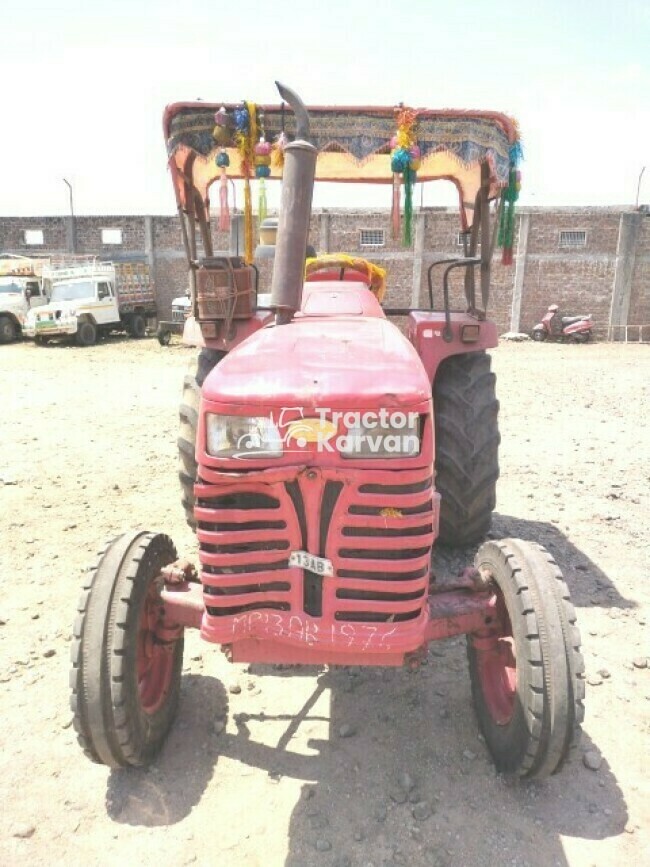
column 84, row 85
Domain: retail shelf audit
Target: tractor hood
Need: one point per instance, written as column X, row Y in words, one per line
column 354, row 362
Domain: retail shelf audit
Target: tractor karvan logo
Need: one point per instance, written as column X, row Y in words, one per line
column 351, row 432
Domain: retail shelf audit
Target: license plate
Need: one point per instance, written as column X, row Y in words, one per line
column 319, row 565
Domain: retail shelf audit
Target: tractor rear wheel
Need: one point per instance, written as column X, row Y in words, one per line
column 189, row 417
column 467, row 446
column 527, row 673
column 126, row 665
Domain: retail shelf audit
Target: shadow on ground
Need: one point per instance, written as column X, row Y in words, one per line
column 353, row 810
column 588, row 584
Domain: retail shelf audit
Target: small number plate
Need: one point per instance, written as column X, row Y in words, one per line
column 318, row 565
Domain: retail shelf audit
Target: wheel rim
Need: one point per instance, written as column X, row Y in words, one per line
column 7, row 330
column 155, row 659
column 497, row 669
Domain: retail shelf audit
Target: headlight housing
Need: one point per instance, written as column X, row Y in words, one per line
column 398, row 438
column 242, row 437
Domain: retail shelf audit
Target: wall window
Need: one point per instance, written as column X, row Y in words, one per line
column 111, row 236
column 372, row 238
column 33, row 237
column 574, row 238
column 467, row 235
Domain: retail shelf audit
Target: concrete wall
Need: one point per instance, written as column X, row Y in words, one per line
column 608, row 277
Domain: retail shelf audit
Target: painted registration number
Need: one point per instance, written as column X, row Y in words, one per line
column 319, row 565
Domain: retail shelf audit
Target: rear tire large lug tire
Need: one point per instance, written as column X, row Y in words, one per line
column 189, row 415
column 467, row 447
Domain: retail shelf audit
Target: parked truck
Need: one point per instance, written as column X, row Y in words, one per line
column 21, row 289
column 93, row 299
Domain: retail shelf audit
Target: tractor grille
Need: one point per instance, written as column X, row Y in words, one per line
column 378, row 535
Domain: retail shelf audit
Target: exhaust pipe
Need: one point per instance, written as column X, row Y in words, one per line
column 295, row 211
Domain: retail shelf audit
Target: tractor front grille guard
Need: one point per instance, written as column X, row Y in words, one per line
column 376, row 528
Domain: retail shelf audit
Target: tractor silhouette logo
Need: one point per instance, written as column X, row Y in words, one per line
column 295, row 434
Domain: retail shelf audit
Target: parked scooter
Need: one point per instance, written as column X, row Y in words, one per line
column 554, row 327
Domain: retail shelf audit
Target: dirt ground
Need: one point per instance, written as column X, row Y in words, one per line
column 310, row 767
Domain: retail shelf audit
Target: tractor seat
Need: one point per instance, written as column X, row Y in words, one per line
column 568, row 320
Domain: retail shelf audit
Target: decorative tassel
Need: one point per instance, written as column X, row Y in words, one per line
column 262, row 210
column 277, row 155
column 246, row 137
column 223, row 161
column 224, row 209
column 395, row 211
column 409, row 180
column 248, row 222
column 404, row 160
column 509, row 196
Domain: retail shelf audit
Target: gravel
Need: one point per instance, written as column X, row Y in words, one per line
column 109, row 415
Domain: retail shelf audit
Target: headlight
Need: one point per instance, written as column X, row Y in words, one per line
column 398, row 438
column 238, row 436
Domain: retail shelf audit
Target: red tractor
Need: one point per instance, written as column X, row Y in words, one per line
column 325, row 454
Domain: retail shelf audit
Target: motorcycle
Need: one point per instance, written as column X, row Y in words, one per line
column 563, row 328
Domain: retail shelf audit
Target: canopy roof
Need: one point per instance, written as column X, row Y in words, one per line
column 354, row 146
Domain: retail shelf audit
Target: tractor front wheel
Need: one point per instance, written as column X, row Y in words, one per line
column 526, row 670
column 467, row 446
column 126, row 660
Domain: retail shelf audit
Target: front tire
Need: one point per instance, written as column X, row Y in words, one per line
column 8, row 329
column 527, row 675
column 467, row 446
column 538, row 335
column 86, row 333
column 126, row 668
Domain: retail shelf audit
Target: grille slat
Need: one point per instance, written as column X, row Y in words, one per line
column 233, row 516
column 403, row 521
column 237, row 536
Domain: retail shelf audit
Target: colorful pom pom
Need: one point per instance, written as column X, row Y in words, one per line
column 222, row 160
column 262, row 160
column 221, row 135
column 262, row 171
column 415, row 164
column 263, row 148
column 221, row 117
column 400, row 160
column 242, row 118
